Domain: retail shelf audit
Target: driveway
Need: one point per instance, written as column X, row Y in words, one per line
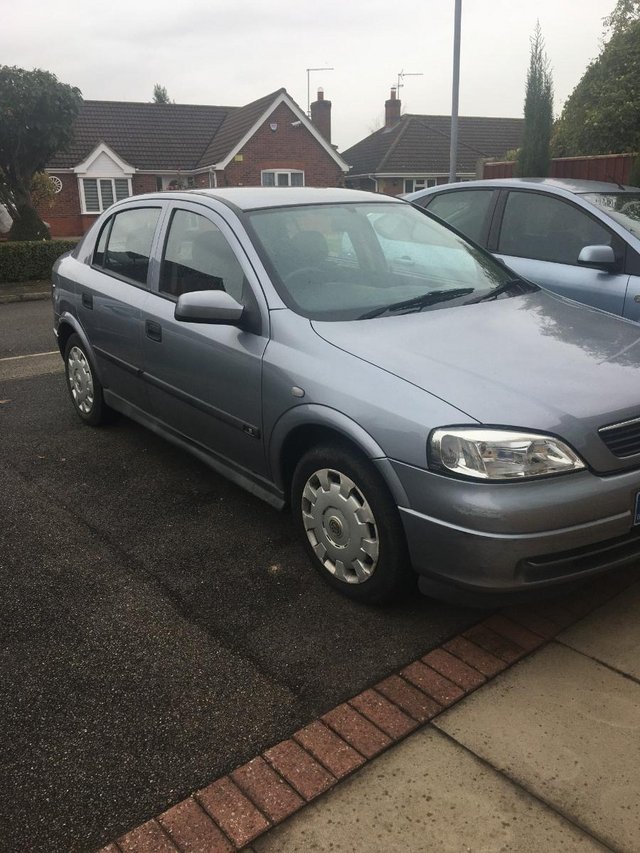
column 159, row 625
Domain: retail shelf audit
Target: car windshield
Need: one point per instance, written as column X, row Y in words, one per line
column 623, row 207
column 349, row 261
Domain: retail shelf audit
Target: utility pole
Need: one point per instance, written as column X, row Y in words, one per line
column 453, row 151
column 309, row 70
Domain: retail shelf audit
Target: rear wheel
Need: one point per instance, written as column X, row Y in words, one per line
column 83, row 384
column 350, row 525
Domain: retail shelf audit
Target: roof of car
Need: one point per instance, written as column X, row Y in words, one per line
column 568, row 185
column 253, row 198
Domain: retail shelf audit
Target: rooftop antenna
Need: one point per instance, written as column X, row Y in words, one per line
column 309, row 70
column 403, row 74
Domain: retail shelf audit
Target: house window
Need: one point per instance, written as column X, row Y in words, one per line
column 283, row 178
column 100, row 193
column 412, row 185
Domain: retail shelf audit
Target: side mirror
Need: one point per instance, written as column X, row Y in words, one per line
column 208, row 306
column 597, row 256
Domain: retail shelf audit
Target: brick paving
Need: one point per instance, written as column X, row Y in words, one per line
column 234, row 810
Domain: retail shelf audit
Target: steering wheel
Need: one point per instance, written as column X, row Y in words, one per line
column 299, row 272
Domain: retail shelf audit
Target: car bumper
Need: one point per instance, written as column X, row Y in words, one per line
column 517, row 536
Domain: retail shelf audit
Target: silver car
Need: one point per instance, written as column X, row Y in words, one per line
column 578, row 238
column 421, row 408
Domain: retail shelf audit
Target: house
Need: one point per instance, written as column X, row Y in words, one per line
column 412, row 151
column 122, row 148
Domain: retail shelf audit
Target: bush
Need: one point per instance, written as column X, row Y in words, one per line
column 29, row 260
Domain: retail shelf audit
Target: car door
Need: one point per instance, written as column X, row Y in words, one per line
column 205, row 379
column 540, row 236
column 114, row 293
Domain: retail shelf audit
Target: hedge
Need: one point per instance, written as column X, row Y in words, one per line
column 29, row 260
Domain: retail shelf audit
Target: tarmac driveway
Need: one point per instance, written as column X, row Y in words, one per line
column 158, row 625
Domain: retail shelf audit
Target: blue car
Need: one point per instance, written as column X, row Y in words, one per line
column 580, row 239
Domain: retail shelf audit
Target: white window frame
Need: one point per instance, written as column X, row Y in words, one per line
column 97, row 178
column 276, row 172
column 420, row 183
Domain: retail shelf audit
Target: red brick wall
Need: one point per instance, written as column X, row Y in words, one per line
column 64, row 216
column 285, row 148
column 143, row 184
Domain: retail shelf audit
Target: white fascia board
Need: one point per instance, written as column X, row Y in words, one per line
column 103, row 148
column 408, row 174
column 58, row 171
column 283, row 98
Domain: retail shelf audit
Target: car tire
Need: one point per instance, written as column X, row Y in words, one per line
column 83, row 384
column 350, row 525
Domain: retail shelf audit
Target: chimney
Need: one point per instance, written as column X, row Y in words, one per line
column 321, row 115
column 392, row 109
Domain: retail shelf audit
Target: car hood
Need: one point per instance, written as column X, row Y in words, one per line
column 536, row 361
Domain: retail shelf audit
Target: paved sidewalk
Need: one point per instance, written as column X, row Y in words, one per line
column 544, row 755
column 24, row 291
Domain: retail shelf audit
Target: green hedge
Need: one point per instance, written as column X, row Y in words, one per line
column 31, row 260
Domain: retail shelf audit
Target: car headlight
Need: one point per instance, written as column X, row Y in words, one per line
column 497, row 454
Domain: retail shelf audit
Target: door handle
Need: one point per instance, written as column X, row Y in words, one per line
column 87, row 301
column 153, row 330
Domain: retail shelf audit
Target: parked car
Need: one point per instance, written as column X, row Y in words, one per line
column 448, row 417
column 577, row 238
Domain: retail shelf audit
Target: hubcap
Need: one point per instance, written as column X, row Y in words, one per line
column 80, row 380
column 340, row 526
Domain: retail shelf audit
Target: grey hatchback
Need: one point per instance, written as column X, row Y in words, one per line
column 419, row 406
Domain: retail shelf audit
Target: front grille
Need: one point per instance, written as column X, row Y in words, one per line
column 622, row 439
column 608, row 554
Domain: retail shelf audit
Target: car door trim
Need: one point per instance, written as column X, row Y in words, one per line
column 249, row 429
column 119, row 362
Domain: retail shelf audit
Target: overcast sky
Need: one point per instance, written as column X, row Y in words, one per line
column 230, row 52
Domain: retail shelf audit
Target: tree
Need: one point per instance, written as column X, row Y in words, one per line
column 533, row 156
column 160, row 95
column 36, row 120
column 624, row 14
column 602, row 115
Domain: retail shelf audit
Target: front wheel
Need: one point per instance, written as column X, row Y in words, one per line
column 83, row 384
column 350, row 525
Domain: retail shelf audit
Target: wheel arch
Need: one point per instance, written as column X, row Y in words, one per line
column 67, row 326
column 307, row 426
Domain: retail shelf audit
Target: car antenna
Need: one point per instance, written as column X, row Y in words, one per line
column 617, row 183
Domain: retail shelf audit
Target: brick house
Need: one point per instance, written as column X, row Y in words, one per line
column 124, row 148
column 412, row 151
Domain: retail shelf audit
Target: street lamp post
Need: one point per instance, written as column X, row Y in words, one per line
column 453, row 151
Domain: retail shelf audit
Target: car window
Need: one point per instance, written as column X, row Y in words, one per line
column 342, row 261
column 128, row 237
column 466, row 211
column 547, row 229
column 197, row 256
column 623, row 207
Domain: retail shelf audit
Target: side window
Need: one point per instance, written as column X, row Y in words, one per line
column 547, row 229
column 128, row 243
column 197, row 256
column 466, row 211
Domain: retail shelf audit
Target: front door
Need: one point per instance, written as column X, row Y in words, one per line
column 205, row 380
column 541, row 237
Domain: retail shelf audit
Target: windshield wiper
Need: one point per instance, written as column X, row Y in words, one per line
column 418, row 302
column 505, row 287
